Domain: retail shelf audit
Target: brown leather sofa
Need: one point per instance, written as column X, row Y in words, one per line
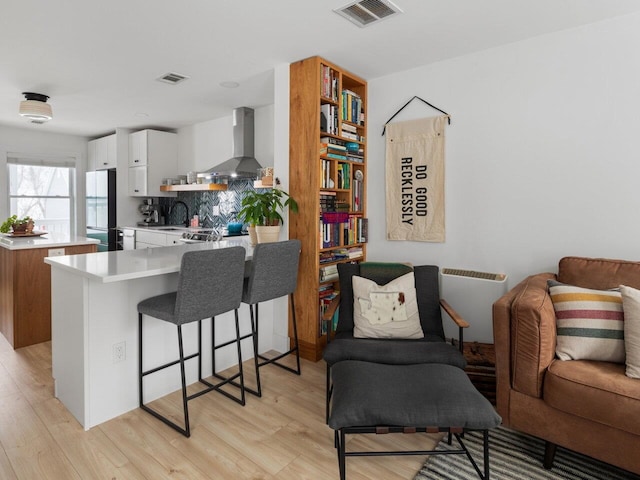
column 586, row 406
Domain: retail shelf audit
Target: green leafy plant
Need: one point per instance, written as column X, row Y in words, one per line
column 265, row 208
column 14, row 220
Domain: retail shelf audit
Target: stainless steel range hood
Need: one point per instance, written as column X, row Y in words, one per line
column 242, row 164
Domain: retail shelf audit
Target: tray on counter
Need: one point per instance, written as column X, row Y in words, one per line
column 35, row 233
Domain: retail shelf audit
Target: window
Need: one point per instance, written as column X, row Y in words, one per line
column 43, row 190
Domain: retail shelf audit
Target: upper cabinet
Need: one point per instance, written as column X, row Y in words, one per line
column 153, row 156
column 102, row 153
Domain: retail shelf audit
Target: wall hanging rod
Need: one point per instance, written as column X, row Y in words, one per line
column 412, row 99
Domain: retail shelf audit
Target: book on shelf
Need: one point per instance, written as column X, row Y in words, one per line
column 329, row 84
column 327, row 201
column 352, row 232
column 325, row 301
column 355, row 158
column 342, row 206
column 336, row 156
column 352, row 107
column 356, row 193
column 349, row 128
column 328, row 273
column 332, row 146
column 329, row 234
column 363, row 230
column 332, row 140
column 344, row 175
column 330, row 114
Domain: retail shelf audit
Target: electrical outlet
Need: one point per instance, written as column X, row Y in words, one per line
column 119, row 352
column 55, row 252
column 216, row 210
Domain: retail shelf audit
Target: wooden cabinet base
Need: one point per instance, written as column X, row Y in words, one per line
column 25, row 294
column 481, row 368
column 311, row 351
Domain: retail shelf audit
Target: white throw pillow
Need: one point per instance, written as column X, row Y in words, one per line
column 389, row 311
column 631, row 307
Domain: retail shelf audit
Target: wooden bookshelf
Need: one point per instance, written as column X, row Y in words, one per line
column 325, row 177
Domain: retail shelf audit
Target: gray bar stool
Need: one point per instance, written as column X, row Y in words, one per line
column 210, row 284
column 273, row 273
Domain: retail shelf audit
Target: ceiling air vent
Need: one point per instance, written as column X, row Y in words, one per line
column 172, row 78
column 367, row 12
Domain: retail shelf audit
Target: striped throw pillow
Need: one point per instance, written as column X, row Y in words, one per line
column 590, row 323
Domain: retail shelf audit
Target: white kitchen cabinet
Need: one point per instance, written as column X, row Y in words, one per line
column 102, row 153
column 138, row 152
column 152, row 238
column 157, row 152
column 138, row 181
column 91, row 155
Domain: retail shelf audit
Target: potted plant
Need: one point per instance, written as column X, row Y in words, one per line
column 22, row 225
column 263, row 210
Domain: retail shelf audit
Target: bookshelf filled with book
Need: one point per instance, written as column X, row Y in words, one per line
column 327, row 177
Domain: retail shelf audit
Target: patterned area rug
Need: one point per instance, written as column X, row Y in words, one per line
column 513, row 455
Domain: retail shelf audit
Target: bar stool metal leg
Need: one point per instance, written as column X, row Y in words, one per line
column 186, row 431
column 295, row 349
column 231, row 380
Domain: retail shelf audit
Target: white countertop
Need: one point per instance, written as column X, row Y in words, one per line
column 49, row 240
column 176, row 229
column 130, row 264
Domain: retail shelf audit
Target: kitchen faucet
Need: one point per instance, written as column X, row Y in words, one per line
column 186, row 221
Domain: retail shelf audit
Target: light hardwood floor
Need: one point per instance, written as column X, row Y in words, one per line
column 279, row 436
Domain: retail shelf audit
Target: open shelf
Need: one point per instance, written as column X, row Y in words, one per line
column 196, row 187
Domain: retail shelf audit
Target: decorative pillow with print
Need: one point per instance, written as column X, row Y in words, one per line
column 388, row 311
column 590, row 323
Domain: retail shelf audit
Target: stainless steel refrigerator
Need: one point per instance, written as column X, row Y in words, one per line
column 101, row 208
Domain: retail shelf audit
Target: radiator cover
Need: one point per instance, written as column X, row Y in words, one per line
column 472, row 294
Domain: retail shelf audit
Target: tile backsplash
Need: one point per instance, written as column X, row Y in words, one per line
column 203, row 203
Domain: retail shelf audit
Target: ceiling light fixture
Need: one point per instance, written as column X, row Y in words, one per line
column 229, row 84
column 35, row 108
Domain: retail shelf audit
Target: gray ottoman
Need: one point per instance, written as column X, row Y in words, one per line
column 378, row 398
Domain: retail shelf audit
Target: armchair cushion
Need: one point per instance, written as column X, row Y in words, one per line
column 393, row 352
column 590, row 323
column 387, row 311
column 598, row 391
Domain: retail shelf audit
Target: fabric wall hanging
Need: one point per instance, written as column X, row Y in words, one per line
column 415, row 180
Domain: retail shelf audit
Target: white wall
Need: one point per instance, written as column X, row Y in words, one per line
column 206, row 144
column 542, row 154
column 30, row 141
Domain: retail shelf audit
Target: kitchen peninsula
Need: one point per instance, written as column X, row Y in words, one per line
column 25, row 283
column 95, row 329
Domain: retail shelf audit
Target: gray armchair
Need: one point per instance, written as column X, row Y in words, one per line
column 433, row 348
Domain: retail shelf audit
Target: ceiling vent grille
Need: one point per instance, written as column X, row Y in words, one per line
column 172, row 78
column 367, row 12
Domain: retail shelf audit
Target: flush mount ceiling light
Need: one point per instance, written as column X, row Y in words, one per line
column 35, row 108
column 367, row 12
